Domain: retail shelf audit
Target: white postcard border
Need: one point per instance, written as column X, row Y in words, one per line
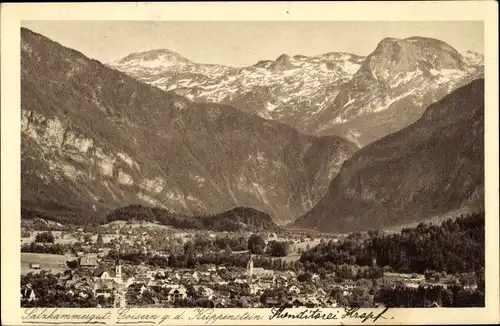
column 13, row 14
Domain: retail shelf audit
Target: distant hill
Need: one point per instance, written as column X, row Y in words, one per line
column 239, row 218
column 433, row 166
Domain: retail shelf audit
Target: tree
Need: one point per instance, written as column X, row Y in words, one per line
column 45, row 237
column 304, row 277
column 87, row 238
column 73, row 263
column 277, row 248
column 256, row 244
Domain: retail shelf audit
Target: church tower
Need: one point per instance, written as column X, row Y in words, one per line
column 118, row 270
column 250, row 269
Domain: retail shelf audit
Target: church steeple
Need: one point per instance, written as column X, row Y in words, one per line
column 118, row 269
column 250, row 269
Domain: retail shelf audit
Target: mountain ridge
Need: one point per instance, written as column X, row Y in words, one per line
column 436, row 165
column 334, row 93
column 94, row 139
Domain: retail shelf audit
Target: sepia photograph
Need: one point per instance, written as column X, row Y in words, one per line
column 279, row 164
column 202, row 169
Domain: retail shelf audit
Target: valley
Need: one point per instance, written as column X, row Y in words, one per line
column 94, row 139
column 328, row 180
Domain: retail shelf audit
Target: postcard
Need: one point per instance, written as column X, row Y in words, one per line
column 271, row 163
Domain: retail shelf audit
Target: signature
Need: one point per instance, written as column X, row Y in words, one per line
column 354, row 313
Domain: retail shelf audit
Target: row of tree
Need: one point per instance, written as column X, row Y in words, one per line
column 455, row 246
column 56, row 249
column 455, row 296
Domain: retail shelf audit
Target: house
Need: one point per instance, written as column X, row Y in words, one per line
column 136, row 289
column 266, row 284
column 205, row 292
column 310, row 303
column 347, row 285
column 311, row 300
column 34, row 266
column 320, row 292
column 191, row 276
column 240, row 280
column 28, row 294
column 329, row 302
column 82, row 284
column 294, row 289
column 219, row 302
column 64, row 276
column 218, row 280
column 104, row 288
column 143, row 279
column 88, row 262
column 256, row 289
column 211, row 268
column 101, row 273
column 159, row 274
column 297, row 302
column 178, row 294
column 281, row 281
column 129, row 281
column 470, row 287
column 155, row 284
column 412, row 285
column 260, row 272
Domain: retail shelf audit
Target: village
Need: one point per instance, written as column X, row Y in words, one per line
column 126, row 266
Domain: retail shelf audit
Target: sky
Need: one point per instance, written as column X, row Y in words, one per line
column 245, row 43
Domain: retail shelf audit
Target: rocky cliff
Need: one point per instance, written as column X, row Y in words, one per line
column 431, row 167
column 94, row 139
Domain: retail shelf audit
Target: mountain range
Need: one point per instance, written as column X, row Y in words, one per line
column 94, row 139
column 355, row 97
column 341, row 141
column 433, row 166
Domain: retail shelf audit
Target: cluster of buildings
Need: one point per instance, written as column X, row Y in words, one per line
column 169, row 286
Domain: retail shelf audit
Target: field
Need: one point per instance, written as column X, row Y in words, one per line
column 294, row 252
column 304, row 246
column 137, row 225
column 68, row 239
column 46, row 261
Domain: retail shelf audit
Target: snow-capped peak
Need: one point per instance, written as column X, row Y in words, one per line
column 153, row 59
column 473, row 58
